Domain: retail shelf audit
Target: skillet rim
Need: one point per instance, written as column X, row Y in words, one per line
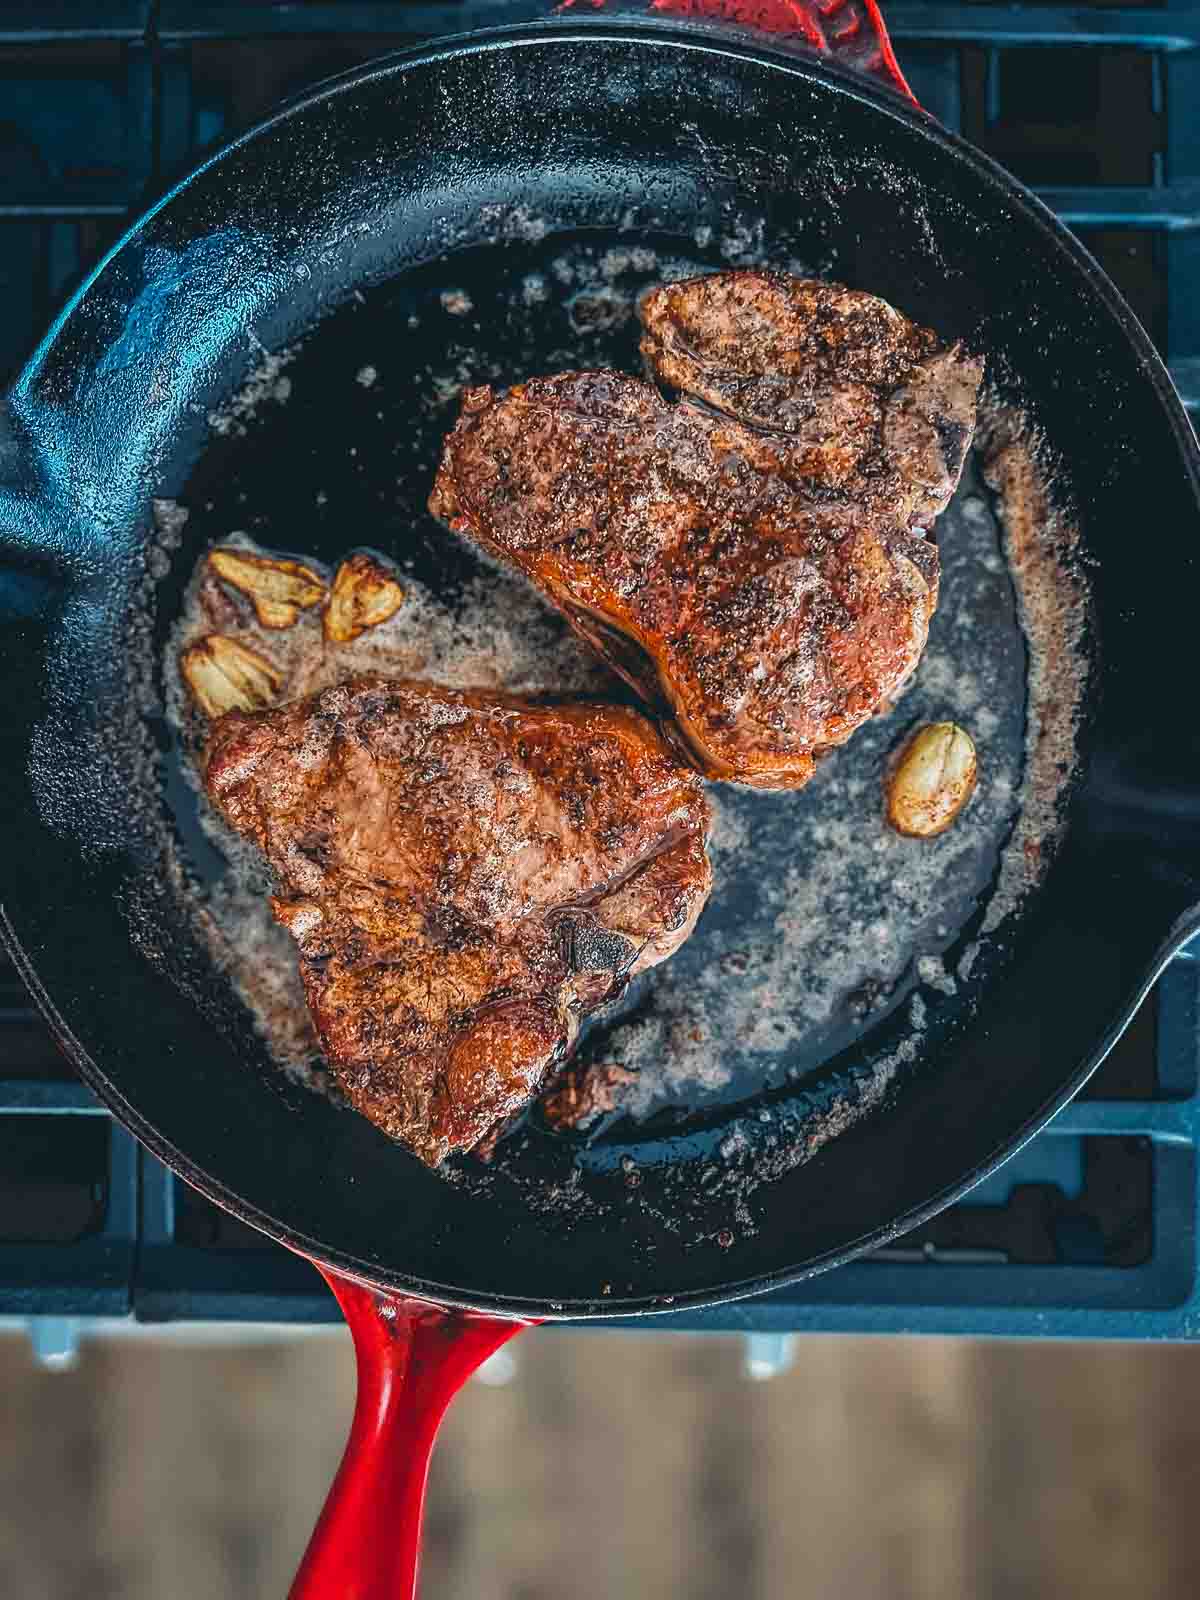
column 720, row 42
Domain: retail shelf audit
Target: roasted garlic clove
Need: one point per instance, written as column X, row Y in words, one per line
column 279, row 590
column 932, row 780
column 224, row 675
column 364, row 594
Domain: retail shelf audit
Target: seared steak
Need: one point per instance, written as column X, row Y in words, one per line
column 876, row 405
column 750, row 556
column 466, row 876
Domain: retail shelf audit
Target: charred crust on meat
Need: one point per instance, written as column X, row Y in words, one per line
column 466, row 876
column 954, row 437
column 749, row 556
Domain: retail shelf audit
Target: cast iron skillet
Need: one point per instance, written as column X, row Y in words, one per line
column 470, row 150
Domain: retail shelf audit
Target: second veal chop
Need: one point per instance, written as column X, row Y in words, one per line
column 466, row 877
column 751, row 556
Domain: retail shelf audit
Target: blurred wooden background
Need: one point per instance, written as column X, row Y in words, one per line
column 619, row 1465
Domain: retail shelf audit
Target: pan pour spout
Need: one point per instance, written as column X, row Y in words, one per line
column 850, row 32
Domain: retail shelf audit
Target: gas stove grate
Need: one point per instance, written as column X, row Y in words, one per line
column 1092, row 1229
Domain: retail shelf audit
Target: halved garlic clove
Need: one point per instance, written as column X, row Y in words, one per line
column 932, row 780
column 224, row 675
column 279, row 590
column 364, row 594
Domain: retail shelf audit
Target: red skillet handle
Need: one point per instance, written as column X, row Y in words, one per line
column 850, row 32
column 412, row 1359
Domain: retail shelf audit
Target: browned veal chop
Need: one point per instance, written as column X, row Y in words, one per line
column 752, row 556
column 466, row 876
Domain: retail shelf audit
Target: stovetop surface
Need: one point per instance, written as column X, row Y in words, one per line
column 1092, row 1228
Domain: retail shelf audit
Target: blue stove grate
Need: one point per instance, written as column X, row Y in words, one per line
column 1092, row 1229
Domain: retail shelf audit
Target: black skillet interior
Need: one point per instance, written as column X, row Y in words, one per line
column 472, row 166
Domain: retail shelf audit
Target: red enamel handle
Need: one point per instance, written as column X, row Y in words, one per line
column 413, row 1358
column 850, row 32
